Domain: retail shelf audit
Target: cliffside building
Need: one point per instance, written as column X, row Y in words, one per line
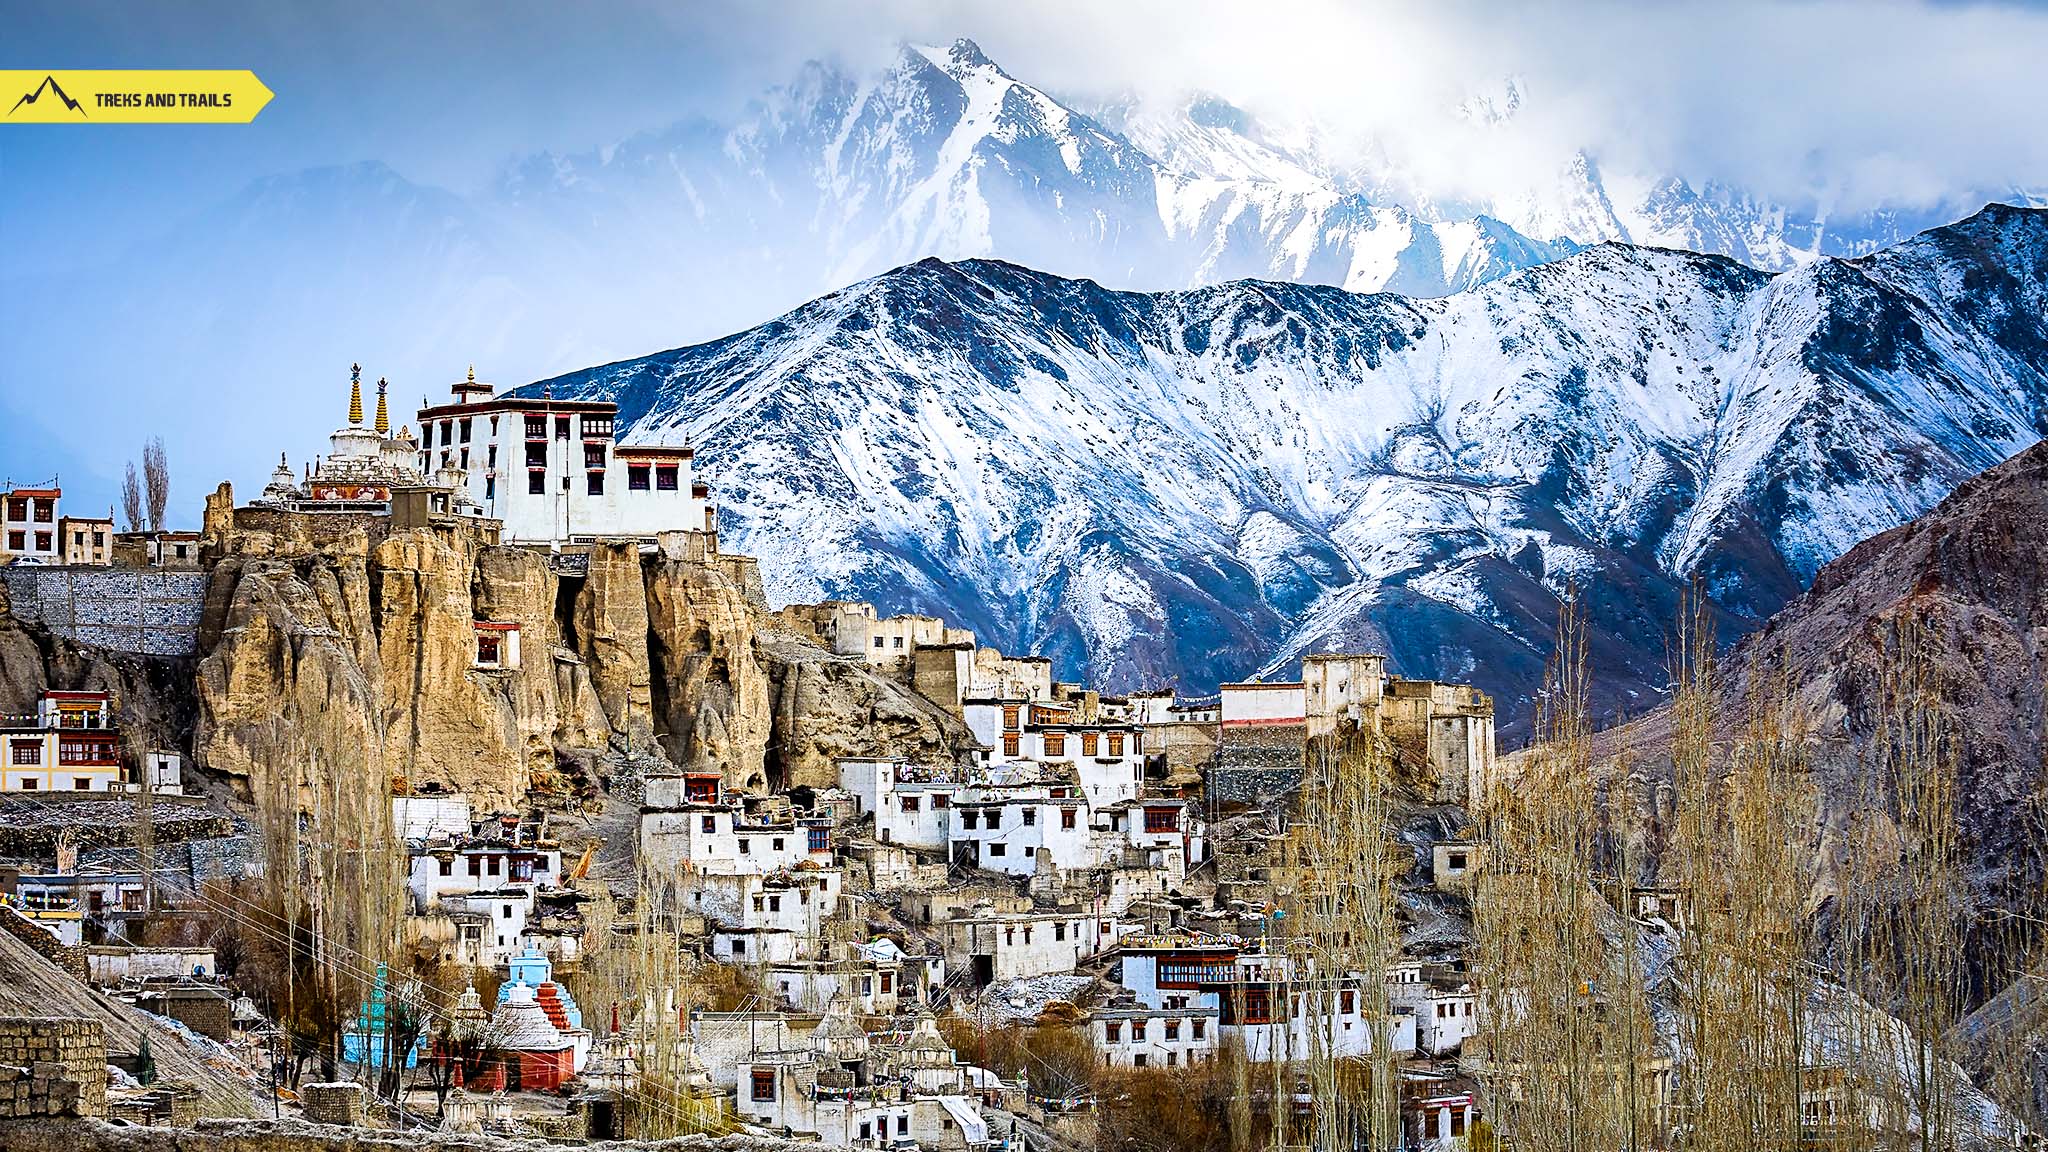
column 68, row 744
column 555, row 472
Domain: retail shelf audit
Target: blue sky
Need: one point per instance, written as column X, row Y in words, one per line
column 1883, row 100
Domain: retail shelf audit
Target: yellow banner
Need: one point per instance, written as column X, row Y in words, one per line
column 108, row 96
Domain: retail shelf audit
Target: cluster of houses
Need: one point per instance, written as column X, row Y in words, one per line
column 1079, row 843
column 34, row 532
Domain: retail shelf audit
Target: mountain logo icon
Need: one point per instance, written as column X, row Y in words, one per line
column 51, row 86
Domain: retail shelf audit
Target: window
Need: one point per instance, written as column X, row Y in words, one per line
column 1055, row 744
column 536, row 483
column 902, row 1125
column 17, row 541
column 17, row 508
column 1116, row 744
column 1113, row 1031
column 536, row 427
column 820, row 839
column 1059, row 932
column 497, row 865
column 1162, row 820
column 43, row 543
column 995, row 819
column 1009, row 718
column 888, row 981
column 1172, row 1058
column 1173, row 1029
column 899, row 642
column 879, row 641
column 46, row 510
column 1001, row 850
column 476, row 866
column 27, row 752
column 1030, row 816
column 28, row 785
column 665, row 477
column 1457, row 861
column 1348, row 1002
column 1087, row 743
column 596, row 426
column 778, row 843
column 1137, row 1029
column 537, row 454
column 448, row 432
column 593, row 455
column 709, row 824
column 1067, row 818
column 910, row 803
column 775, row 903
column 739, row 946
column 487, row 649
column 462, row 429
column 866, row 1130
column 561, row 427
column 490, row 487
column 463, row 461
column 763, row 1084
column 746, row 846
column 637, row 477
column 941, row 801
column 760, row 902
column 1010, row 744
column 1201, row 1028
column 447, row 864
column 596, row 483
column 968, row 816
column 80, row 784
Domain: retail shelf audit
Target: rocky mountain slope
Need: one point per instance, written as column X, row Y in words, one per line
column 1190, row 486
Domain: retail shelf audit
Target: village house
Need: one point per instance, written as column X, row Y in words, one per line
column 876, row 977
column 555, row 472
column 68, row 744
column 28, row 525
column 87, row 541
column 1265, row 1000
column 984, row 946
column 1154, row 1037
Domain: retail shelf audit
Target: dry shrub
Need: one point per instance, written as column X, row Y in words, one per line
column 1165, row 1109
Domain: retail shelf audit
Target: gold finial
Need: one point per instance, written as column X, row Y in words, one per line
column 355, row 395
column 383, row 414
column 472, row 373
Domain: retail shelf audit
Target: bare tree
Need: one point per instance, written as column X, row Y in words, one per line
column 131, row 499
column 156, row 475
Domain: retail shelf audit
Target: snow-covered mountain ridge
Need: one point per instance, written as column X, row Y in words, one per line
column 1189, row 486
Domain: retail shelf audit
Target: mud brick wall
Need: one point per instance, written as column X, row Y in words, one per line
column 70, row 959
column 52, row 1066
column 148, row 611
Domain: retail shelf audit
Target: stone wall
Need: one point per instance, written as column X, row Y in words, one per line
column 1257, row 762
column 148, row 611
column 337, row 1104
column 70, row 958
column 52, row 1066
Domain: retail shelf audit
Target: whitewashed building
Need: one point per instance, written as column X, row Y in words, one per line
column 555, row 472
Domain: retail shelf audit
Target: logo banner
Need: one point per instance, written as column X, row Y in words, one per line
column 109, row 96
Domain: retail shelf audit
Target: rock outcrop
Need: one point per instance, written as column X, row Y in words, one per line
column 347, row 646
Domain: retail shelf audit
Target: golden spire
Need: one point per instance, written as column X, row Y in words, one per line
column 472, row 373
column 383, row 414
column 355, row 395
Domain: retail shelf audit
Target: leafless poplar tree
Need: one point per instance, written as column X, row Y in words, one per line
column 131, row 499
column 156, row 476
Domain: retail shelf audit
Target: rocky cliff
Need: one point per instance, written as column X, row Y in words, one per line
column 352, row 647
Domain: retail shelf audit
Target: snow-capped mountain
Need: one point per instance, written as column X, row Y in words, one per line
column 1189, row 486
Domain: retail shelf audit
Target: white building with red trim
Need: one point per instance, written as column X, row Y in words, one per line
column 555, row 472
